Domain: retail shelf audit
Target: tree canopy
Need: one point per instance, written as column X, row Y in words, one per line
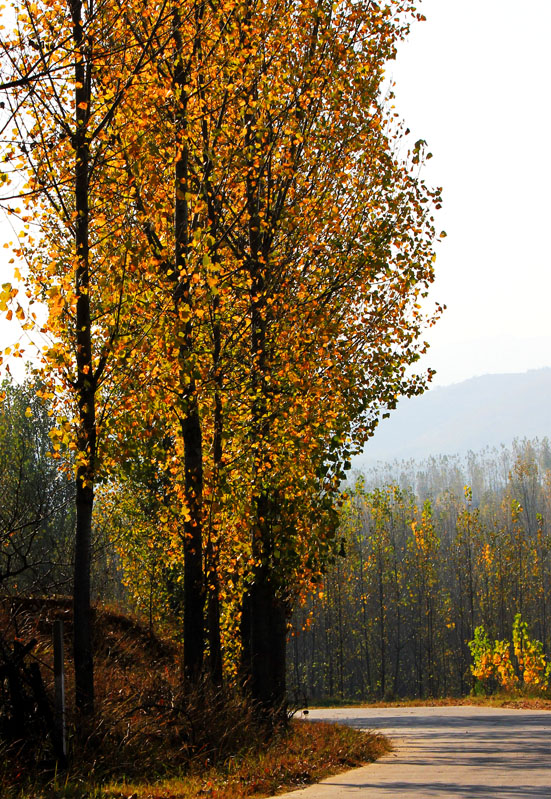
column 234, row 245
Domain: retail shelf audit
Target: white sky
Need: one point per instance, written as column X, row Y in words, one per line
column 474, row 82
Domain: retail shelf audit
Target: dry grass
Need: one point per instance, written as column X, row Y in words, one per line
column 307, row 753
column 153, row 740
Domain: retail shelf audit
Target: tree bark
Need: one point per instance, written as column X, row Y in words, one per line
column 194, row 589
column 85, row 384
column 268, row 644
column 213, row 582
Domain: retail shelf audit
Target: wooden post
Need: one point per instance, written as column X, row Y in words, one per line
column 59, row 674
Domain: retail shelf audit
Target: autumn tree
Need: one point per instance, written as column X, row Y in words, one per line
column 291, row 246
column 66, row 68
column 270, row 250
column 322, row 230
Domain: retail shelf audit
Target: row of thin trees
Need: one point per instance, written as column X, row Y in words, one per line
column 418, row 572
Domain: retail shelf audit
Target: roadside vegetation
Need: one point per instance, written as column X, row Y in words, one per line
column 152, row 740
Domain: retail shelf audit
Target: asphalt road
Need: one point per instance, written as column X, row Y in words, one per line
column 445, row 753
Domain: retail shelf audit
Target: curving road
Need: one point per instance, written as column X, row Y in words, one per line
column 445, row 753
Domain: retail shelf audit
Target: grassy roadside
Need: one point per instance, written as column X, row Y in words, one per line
column 519, row 701
column 308, row 753
column 151, row 738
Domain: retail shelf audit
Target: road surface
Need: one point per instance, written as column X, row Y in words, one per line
column 445, row 753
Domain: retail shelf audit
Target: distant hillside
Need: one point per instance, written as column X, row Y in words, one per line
column 483, row 411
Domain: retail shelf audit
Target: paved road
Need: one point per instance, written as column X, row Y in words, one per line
column 446, row 753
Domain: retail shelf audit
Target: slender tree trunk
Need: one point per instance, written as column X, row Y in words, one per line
column 82, row 636
column 194, row 592
column 296, row 664
column 268, row 632
column 313, row 681
column 340, row 629
column 430, row 646
column 268, row 627
column 365, row 625
column 328, row 650
column 245, row 635
column 85, row 385
column 190, row 425
column 268, row 624
column 212, row 548
column 382, row 631
column 398, row 644
column 213, row 615
column 211, row 553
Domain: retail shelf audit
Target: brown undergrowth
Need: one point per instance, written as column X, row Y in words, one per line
column 306, row 753
column 152, row 739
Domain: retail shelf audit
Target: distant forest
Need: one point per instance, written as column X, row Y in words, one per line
column 428, row 552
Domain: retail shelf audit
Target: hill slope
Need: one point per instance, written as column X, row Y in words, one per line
column 483, row 411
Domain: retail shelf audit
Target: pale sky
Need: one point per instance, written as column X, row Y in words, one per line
column 474, row 82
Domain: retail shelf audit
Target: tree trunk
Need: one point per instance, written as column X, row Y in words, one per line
column 85, row 385
column 82, row 635
column 213, row 613
column 268, row 635
column 194, row 589
column 213, row 582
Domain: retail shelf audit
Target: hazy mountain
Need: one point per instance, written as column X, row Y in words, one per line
column 483, row 411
